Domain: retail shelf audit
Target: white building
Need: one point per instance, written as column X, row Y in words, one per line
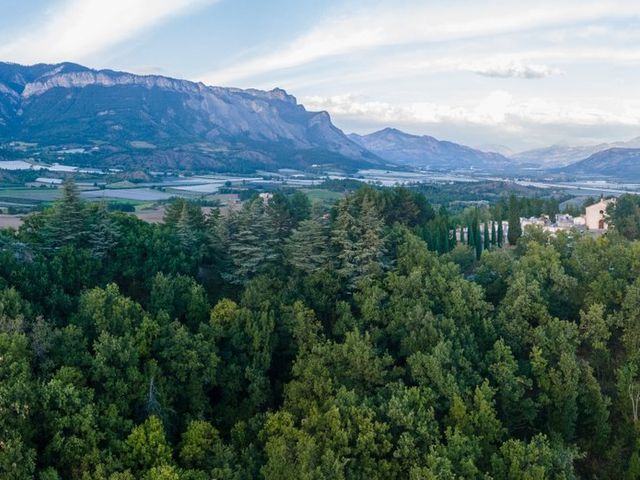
column 266, row 197
column 595, row 216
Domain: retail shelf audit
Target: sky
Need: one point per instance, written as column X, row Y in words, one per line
column 493, row 74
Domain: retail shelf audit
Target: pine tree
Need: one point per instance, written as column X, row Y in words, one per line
column 307, row 247
column 250, row 242
column 187, row 230
column 370, row 245
column 360, row 241
column 67, row 225
column 104, row 233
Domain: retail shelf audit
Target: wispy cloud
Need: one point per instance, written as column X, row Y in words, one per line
column 75, row 29
column 512, row 70
column 499, row 108
column 395, row 26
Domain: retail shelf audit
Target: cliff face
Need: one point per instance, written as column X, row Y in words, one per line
column 208, row 127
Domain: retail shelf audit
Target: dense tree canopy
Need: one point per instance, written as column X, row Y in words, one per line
column 282, row 341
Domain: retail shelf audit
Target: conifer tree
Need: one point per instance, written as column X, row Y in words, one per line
column 186, row 229
column 515, row 229
column 494, row 239
column 250, row 241
column 500, row 236
column 487, row 240
column 452, row 238
column 307, row 247
column 360, row 241
column 67, row 225
column 104, row 233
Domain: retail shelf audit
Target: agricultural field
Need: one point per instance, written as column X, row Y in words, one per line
column 29, row 196
column 141, row 194
column 320, row 195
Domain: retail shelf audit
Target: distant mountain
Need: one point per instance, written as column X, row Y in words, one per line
column 496, row 148
column 562, row 155
column 122, row 119
column 423, row 151
column 620, row 163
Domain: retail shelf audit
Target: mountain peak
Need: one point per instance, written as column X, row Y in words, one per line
column 403, row 148
column 617, row 162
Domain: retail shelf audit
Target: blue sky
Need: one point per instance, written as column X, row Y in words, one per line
column 491, row 72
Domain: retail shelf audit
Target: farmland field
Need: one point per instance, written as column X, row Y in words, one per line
column 142, row 194
column 25, row 194
column 321, row 195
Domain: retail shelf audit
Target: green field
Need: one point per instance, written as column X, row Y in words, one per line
column 36, row 195
column 319, row 195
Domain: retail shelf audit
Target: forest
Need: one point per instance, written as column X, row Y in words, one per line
column 286, row 341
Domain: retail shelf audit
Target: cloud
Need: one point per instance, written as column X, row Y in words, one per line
column 512, row 70
column 73, row 30
column 415, row 25
column 498, row 109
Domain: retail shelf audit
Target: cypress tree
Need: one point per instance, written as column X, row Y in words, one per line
column 444, row 235
column 477, row 237
column 500, row 237
column 487, row 241
column 515, row 229
column 493, row 233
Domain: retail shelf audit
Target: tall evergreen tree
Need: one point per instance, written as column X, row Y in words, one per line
column 515, row 229
column 104, row 233
column 485, row 236
column 500, row 236
column 250, row 242
column 494, row 240
column 307, row 247
column 360, row 241
column 68, row 224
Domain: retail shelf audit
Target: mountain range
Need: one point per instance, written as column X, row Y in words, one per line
column 122, row 119
column 105, row 118
column 563, row 155
column 424, row 151
column 620, row 163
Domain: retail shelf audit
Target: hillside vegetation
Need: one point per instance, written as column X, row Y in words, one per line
column 282, row 342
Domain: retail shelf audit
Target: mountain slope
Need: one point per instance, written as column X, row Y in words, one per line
column 621, row 163
column 155, row 121
column 563, row 155
column 424, row 151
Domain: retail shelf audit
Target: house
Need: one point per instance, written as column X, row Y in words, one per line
column 595, row 216
column 537, row 221
column 564, row 220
